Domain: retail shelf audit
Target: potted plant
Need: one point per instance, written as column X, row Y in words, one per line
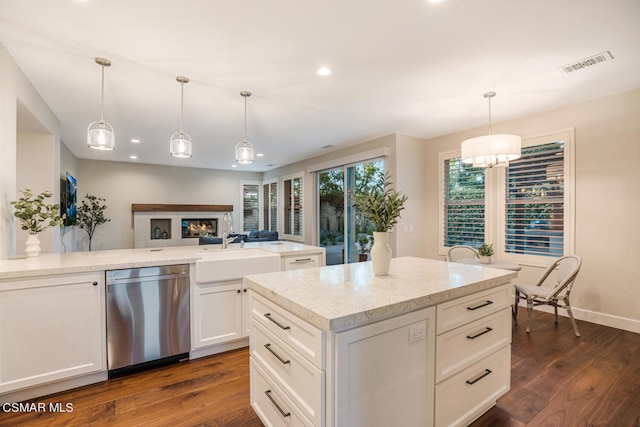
column 91, row 215
column 36, row 216
column 381, row 206
column 485, row 251
column 363, row 244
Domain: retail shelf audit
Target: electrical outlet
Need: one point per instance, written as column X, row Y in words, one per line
column 417, row 332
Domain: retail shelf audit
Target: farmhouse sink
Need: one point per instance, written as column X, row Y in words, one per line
column 225, row 265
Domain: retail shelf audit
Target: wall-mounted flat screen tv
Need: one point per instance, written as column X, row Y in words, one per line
column 70, row 207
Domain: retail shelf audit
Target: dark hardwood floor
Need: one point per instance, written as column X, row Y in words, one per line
column 556, row 380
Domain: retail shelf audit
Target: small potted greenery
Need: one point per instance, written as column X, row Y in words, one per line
column 485, row 251
column 363, row 244
column 381, row 205
column 36, row 215
column 91, row 215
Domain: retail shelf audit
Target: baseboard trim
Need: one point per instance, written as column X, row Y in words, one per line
column 219, row 348
column 624, row 323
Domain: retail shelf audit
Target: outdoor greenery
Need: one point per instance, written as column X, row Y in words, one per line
column 382, row 204
column 34, row 214
column 91, row 215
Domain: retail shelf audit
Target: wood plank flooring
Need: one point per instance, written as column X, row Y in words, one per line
column 556, row 380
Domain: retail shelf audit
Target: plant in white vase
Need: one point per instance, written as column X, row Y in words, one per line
column 381, row 206
column 36, row 215
column 485, row 251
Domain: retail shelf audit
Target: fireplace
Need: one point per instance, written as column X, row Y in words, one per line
column 199, row 227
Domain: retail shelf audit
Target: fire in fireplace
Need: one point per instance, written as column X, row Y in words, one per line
column 201, row 227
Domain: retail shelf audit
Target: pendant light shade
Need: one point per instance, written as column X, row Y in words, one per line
column 100, row 134
column 244, row 149
column 180, row 143
column 490, row 151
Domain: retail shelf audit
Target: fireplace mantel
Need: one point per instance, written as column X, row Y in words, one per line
column 159, row 207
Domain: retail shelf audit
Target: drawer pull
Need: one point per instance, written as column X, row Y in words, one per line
column 475, row 380
column 280, row 325
column 479, row 334
column 268, row 347
column 484, row 304
column 284, row 414
column 303, row 260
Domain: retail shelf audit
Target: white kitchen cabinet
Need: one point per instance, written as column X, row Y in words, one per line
column 298, row 262
column 51, row 329
column 217, row 316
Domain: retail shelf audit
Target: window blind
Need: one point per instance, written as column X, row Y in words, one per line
column 464, row 207
column 535, row 201
column 293, row 206
column 270, row 206
column 250, row 207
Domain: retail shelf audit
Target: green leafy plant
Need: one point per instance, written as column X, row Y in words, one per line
column 486, row 249
column 363, row 243
column 34, row 214
column 381, row 205
column 91, row 215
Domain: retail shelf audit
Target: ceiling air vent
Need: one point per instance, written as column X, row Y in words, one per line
column 588, row 62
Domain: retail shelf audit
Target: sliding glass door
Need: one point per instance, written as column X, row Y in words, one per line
column 343, row 232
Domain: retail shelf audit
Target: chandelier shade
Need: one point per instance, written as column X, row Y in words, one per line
column 244, row 149
column 180, row 142
column 100, row 133
column 491, row 150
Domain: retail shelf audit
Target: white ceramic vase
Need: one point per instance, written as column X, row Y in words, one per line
column 381, row 253
column 485, row 259
column 33, row 246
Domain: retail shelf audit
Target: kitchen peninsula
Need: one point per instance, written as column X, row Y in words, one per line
column 53, row 308
column 337, row 346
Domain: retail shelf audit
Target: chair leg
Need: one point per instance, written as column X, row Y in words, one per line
column 515, row 308
column 529, row 313
column 555, row 312
column 573, row 321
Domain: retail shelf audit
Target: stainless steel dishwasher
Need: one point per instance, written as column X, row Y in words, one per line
column 147, row 317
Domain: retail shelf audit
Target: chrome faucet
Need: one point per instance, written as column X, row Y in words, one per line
column 227, row 229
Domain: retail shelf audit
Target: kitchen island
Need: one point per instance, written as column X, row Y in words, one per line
column 53, row 308
column 337, row 346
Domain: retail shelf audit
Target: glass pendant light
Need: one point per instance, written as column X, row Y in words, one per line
column 244, row 149
column 100, row 134
column 180, row 144
column 490, row 151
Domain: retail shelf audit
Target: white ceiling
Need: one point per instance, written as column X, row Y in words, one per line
column 406, row 66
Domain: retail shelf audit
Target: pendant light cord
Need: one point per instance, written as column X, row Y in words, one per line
column 181, row 105
column 102, row 97
column 490, row 130
column 245, row 121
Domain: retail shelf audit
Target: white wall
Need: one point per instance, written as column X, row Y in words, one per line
column 15, row 88
column 123, row 184
column 607, row 231
column 34, row 159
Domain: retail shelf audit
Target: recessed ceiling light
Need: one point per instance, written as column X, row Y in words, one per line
column 234, row 166
column 324, row 71
column 135, row 141
column 133, row 157
column 260, row 155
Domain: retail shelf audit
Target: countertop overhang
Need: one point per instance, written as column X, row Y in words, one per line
column 82, row 262
column 343, row 296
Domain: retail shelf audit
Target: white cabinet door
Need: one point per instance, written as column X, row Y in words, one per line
column 217, row 314
column 384, row 372
column 51, row 329
column 246, row 322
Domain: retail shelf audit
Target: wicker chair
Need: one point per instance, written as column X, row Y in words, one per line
column 568, row 268
column 461, row 251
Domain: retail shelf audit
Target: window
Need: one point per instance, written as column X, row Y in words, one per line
column 463, row 193
column 292, row 209
column 270, row 205
column 525, row 210
column 250, row 206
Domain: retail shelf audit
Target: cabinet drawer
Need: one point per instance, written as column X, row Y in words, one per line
column 302, row 381
column 270, row 403
column 299, row 262
column 463, row 346
column 295, row 332
column 468, row 394
column 463, row 310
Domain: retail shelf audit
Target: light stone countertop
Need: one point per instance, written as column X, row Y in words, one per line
column 342, row 296
column 82, row 262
